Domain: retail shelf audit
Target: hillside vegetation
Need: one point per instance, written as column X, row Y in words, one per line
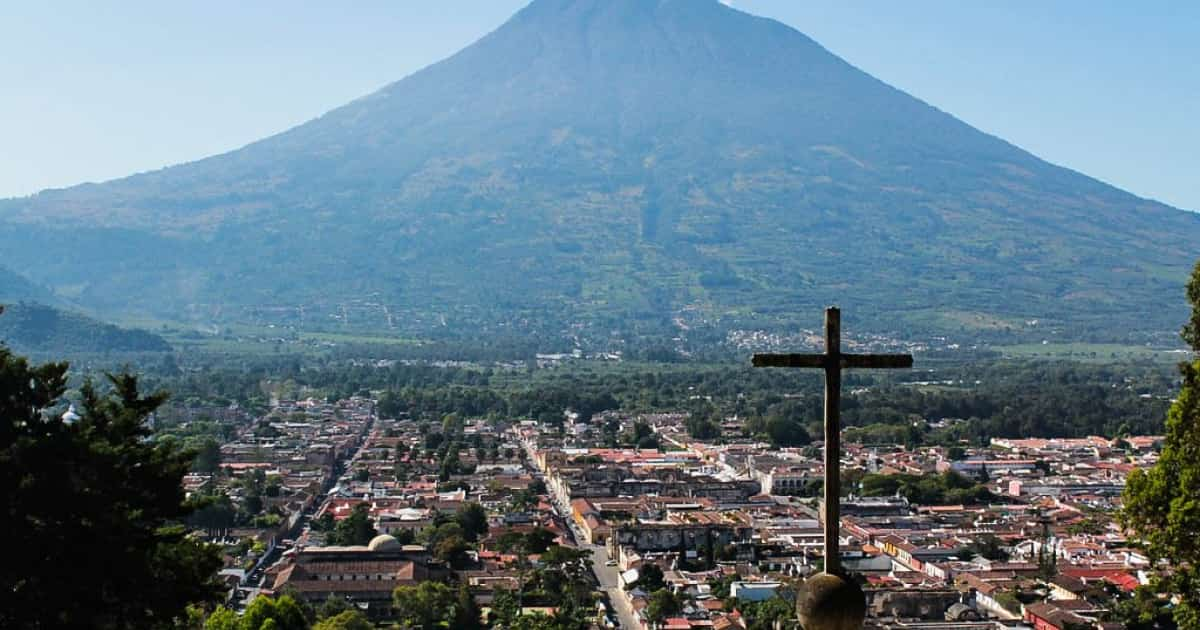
column 613, row 169
column 35, row 328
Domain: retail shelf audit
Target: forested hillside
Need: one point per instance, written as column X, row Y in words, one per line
column 38, row 329
column 602, row 170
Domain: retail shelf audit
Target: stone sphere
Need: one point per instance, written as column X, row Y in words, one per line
column 830, row 602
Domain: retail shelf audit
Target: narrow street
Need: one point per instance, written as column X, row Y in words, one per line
column 606, row 576
column 252, row 583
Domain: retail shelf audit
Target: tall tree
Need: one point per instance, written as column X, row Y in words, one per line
column 663, row 604
column 208, row 456
column 1162, row 504
column 1191, row 330
column 473, row 519
column 424, row 606
column 92, row 509
column 356, row 529
column 467, row 613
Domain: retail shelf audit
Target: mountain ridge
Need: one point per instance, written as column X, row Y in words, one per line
column 41, row 330
column 621, row 164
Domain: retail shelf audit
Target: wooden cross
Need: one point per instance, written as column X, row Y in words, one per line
column 833, row 362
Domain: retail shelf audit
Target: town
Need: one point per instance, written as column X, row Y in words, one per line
column 336, row 505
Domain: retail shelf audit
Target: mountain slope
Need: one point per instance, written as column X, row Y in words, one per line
column 621, row 165
column 14, row 287
column 28, row 327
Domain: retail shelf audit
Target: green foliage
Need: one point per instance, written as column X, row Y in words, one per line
column 355, row 529
column 663, row 603
column 223, row 619
column 990, row 547
column 212, row 513
column 989, row 399
column 942, row 489
column 1008, row 601
column 452, row 550
column 641, row 436
column 702, row 423
column 1145, row 609
column 208, row 456
column 1191, row 331
column 38, row 328
column 535, row 541
column 722, row 586
column 562, row 579
column 332, row 607
column 96, row 493
column 565, row 618
column 447, row 539
column 650, row 578
column 1162, row 504
column 523, row 500
column 775, row 613
column 425, row 606
column 697, row 209
column 1094, row 522
column 473, row 520
column 650, row 442
column 347, row 620
column 505, row 609
column 783, row 423
column 467, row 613
column 264, row 613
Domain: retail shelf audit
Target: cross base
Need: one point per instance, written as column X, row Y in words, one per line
column 830, row 602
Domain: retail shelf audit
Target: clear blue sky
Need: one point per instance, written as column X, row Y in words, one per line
column 91, row 92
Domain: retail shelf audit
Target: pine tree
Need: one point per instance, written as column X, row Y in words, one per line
column 467, row 614
column 1162, row 504
column 93, row 509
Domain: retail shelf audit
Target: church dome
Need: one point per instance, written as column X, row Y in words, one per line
column 384, row 542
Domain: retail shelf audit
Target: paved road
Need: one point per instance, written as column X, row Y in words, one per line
column 607, row 576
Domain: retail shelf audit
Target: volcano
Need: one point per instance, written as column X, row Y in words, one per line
column 618, row 168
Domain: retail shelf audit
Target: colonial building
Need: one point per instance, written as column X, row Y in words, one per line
column 364, row 575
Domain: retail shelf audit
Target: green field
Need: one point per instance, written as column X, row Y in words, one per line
column 1090, row 352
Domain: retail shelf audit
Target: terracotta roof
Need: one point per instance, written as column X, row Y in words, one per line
column 1055, row 615
column 1123, row 581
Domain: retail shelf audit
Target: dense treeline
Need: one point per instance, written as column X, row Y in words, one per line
column 946, row 405
column 944, row 489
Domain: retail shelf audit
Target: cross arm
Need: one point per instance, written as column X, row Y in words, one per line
column 789, row 360
column 882, row 361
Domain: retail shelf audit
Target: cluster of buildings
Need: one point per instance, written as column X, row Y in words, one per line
column 727, row 526
column 275, row 470
column 1040, row 550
